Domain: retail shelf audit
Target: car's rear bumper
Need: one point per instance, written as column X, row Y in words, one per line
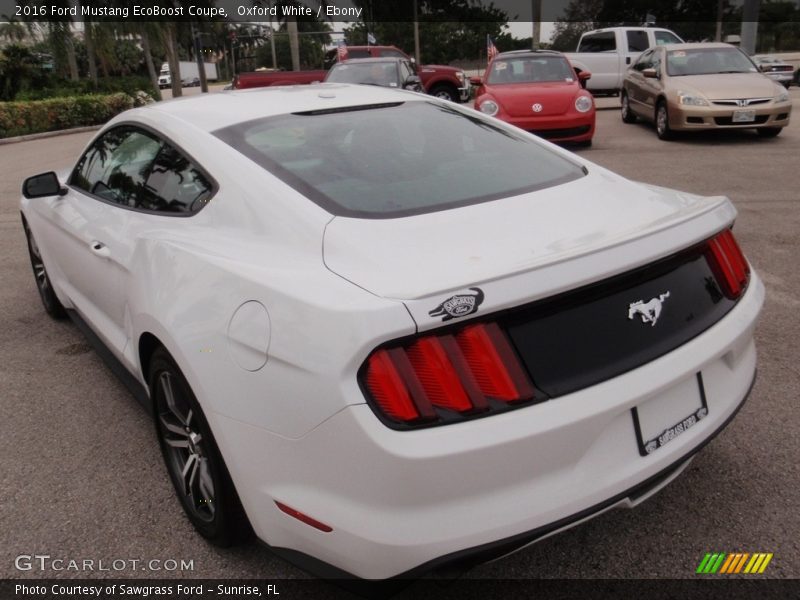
column 720, row 117
column 402, row 501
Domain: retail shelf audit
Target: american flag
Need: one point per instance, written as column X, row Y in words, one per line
column 491, row 50
column 341, row 51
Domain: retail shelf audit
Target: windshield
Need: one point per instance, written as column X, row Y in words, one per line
column 372, row 73
column 398, row 159
column 530, row 69
column 707, row 61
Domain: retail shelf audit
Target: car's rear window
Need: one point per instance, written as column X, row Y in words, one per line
column 398, row 159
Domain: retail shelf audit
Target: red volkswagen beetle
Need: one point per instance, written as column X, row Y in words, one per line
column 540, row 92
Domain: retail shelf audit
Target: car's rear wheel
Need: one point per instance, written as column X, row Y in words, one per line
column 627, row 113
column 662, row 122
column 52, row 305
column 769, row 132
column 193, row 460
column 445, row 92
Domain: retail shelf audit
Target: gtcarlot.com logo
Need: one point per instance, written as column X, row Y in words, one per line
column 46, row 562
column 734, row 562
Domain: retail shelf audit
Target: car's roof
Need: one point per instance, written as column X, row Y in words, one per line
column 695, row 46
column 374, row 59
column 214, row 111
column 532, row 53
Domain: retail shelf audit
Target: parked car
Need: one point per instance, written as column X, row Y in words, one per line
column 538, row 91
column 386, row 72
column 686, row 87
column 190, row 82
column 776, row 69
column 607, row 53
column 388, row 332
column 441, row 81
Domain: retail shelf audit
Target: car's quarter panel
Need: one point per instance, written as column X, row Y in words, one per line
column 487, row 479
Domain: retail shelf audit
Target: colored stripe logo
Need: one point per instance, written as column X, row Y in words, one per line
column 734, row 562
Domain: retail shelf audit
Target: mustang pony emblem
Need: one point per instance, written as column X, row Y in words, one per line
column 649, row 311
column 459, row 305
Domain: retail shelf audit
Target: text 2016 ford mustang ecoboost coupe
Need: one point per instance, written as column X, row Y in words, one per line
column 388, row 332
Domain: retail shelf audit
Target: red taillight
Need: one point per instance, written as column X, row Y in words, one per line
column 729, row 264
column 461, row 373
column 493, row 363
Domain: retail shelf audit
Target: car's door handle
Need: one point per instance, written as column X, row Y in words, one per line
column 100, row 249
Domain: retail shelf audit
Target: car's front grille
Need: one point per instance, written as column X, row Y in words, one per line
column 561, row 133
column 742, row 102
column 759, row 120
column 782, row 116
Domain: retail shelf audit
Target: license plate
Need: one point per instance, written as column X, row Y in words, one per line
column 660, row 420
column 744, row 116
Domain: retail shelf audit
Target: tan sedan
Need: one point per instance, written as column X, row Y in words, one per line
column 683, row 87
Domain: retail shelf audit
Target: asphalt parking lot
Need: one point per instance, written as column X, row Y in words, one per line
column 81, row 476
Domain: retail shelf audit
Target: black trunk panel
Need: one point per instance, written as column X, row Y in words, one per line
column 583, row 337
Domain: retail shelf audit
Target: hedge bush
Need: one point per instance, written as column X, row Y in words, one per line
column 57, row 88
column 23, row 118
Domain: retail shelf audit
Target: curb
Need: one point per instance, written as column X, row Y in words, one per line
column 47, row 134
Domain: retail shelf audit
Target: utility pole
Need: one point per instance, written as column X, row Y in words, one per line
column 416, row 35
column 718, row 33
column 750, row 25
column 272, row 40
column 201, row 64
column 536, row 11
column 294, row 42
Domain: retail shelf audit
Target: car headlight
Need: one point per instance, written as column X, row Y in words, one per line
column 783, row 96
column 583, row 104
column 489, row 107
column 687, row 99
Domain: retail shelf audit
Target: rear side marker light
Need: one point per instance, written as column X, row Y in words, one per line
column 303, row 517
column 472, row 371
column 729, row 264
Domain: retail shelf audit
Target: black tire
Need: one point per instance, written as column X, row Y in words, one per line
column 52, row 305
column 769, row 132
column 445, row 92
column 625, row 109
column 206, row 491
column 663, row 130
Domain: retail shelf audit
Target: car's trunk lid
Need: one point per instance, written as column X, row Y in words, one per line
column 515, row 241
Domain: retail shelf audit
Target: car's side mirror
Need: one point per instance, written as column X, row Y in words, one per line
column 476, row 81
column 412, row 81
column 42, row 185
column 583, row 77
column 650, row 73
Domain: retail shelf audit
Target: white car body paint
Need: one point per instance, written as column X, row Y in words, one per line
column 297, row 428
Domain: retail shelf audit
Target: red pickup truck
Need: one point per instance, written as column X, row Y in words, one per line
column 438, row 80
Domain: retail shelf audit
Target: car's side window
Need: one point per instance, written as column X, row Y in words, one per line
column 117, row 165
column 175, row 184
column 134, row 168
column 598, row 42
column 637, row 40
column 665, row 37
column 405, row 71
column 655, row 61
column 644, row 61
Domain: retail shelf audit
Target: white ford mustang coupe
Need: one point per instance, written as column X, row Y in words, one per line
column 388, row 332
